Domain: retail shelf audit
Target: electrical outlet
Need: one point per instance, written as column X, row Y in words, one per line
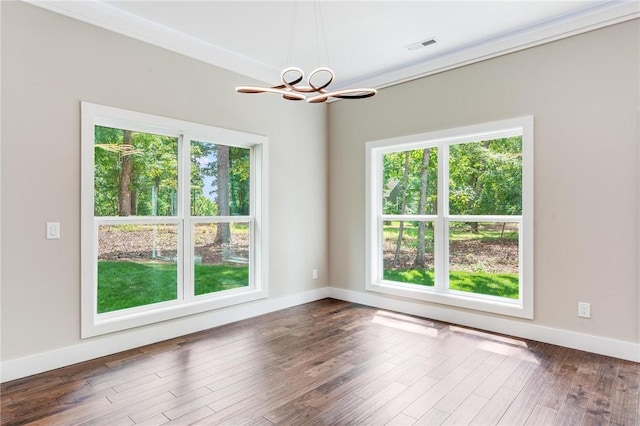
column 314, row 274
column 584, row 310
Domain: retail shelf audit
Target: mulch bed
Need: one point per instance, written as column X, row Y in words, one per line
column 498, row 257
column 136, row 243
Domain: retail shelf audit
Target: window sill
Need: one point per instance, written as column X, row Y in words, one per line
column 136, row 317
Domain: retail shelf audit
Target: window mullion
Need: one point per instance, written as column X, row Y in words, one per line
column 486, row 218
column 255, row 205
column 410, row 217
column 222, row 219
column 378, row 236
column 442, row 224
column 143, row 220
column 186, row 248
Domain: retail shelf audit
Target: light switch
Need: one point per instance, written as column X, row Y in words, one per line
column 53, row 230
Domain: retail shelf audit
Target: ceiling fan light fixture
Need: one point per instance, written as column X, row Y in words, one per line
column 313, row 92
column 343, row 94
column 287, row 94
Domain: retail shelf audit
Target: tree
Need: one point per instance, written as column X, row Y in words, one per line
column 134, row 173
column 156, row 170
column 486, row 178
column 107, row 170
column 403, row 208
column 239, row 175
column 202, row 173
column 223, row 233
column 422, row 207
column 126, row 168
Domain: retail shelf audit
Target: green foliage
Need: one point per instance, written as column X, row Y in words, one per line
column 239, row 175
column 486, row 177
column 155, row 174
column 107, row 171
column 205, row 178
column 393, row 177
column 124, row 285
column 154, row 180
column 202, row 166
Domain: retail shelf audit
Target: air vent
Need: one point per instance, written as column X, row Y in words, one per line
column 421, row 44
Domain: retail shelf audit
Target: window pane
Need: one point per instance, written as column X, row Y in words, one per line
column 485, row 178
column 408, row 252
column 220, row 177
column 221, row 256
column 136, row 265
column 484, row 258
column 135, row 174
column 410, row 182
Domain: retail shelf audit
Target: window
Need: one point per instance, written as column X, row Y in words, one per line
column 172, row 218
column 450, row 217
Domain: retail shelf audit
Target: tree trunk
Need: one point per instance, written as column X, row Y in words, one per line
column 422, row 207
column 134, row 202
column 223, row 233
column 124, row 196
column 403, row 208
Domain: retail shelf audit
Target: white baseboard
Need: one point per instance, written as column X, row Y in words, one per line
column 110, row 344
column 129, row 339
column 595, row 344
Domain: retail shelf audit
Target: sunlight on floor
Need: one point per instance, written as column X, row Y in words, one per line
column 408, row 323
column 502, row 345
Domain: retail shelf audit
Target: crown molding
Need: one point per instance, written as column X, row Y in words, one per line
column 103, row 15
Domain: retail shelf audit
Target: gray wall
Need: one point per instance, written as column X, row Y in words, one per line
column 584, row 95
column 49, row 64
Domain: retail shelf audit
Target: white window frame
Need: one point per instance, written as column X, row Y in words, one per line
column 374, row 150
column 92, row 323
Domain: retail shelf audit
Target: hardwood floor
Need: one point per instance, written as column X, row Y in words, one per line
column 333, row 362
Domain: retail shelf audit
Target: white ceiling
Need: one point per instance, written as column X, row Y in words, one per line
column 364, row 42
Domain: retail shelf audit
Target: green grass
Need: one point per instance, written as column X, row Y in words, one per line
column 502, row 285
column 124, row 285
column 411, row 276
column 212, row 278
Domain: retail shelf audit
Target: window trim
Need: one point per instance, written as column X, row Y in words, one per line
column 92, row 323
column 524, row 306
